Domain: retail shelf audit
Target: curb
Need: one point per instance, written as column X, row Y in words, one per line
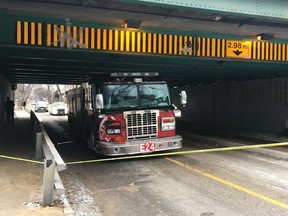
column 68, row 211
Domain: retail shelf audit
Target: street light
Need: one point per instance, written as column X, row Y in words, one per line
column 132, row 24
column 265, row 36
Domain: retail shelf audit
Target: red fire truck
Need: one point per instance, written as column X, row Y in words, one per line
column 124, row 116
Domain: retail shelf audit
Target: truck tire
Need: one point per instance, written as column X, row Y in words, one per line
column 71, row 121
column 91, row 141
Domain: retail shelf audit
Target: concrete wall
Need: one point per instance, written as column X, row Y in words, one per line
column 5, row 90
column 259, row 105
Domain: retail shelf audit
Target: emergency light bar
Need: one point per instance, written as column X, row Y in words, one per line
column 154, row 74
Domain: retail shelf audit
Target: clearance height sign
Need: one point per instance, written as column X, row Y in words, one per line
column 238, row 49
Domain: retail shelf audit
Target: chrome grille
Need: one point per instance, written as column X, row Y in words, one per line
column 141, row 124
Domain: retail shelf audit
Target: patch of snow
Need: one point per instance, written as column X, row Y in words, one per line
column 36, row 204
column 80, row 200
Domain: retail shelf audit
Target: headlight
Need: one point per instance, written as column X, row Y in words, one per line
column 168, row 123
column 113, row 127
column 113, row 131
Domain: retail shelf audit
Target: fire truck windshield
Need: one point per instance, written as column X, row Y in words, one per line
column 135, row 96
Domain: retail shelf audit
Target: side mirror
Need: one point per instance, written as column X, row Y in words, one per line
column 177, row 112
column 99, row 101
column 183, row 98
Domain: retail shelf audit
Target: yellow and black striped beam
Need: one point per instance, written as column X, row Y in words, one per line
column 117, row 40
column 29, row 33
column 53, row 35
column 269, row 51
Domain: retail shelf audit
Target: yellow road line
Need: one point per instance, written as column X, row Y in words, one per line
column 245, row 190
column 21, row 159
column 181, row 153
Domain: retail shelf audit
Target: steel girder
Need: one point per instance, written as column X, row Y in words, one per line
column 254, row 8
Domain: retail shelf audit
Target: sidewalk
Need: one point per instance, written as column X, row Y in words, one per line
column 21, row 182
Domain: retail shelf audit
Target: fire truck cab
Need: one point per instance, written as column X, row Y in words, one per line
column 124, row 116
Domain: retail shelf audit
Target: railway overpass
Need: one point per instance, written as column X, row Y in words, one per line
column 231, row 57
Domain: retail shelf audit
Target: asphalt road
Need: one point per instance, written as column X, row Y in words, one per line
column 243, row 182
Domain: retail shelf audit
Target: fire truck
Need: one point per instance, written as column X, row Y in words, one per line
column 125, row 115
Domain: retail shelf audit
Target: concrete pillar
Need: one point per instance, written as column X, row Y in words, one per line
column 5, row 90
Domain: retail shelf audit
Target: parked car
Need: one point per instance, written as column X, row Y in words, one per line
column 41, row 106
column 58, row 108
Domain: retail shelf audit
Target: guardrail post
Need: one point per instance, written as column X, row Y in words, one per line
column 48, row 182
column 31, row 119
column 38, row 146
column 53, row 163
column 34, row 128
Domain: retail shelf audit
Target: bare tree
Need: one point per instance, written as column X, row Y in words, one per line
column 48, row 93
column 59, row 92
column 28, row 91
column 23, row 92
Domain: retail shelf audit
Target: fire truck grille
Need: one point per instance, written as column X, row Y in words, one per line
column 141, row 124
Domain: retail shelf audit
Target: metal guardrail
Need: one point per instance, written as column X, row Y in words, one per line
column 53, row 163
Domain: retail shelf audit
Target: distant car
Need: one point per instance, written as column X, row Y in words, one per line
column 41, row 106
column 32, row 103
column 58, row 108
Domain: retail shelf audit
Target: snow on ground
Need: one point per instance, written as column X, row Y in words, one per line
column 79, row 196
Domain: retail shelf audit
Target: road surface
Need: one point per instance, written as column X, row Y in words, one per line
column 242, row 182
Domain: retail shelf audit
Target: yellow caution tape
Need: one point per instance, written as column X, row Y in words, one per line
column 182, row 152
column 21, row 159
column 159, row 154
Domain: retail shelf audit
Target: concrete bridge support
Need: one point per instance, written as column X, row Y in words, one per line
column 255, row 105
column 5, row 90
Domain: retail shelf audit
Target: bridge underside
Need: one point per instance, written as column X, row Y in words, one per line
column 25, row 62
column 50, row 66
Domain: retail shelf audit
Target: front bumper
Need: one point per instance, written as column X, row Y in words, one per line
column 38, row 109
column 59, row 112
column 135, row 146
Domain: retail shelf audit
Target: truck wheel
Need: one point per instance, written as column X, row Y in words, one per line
column 91, row 142
column 92, row 145
column 71, row 121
